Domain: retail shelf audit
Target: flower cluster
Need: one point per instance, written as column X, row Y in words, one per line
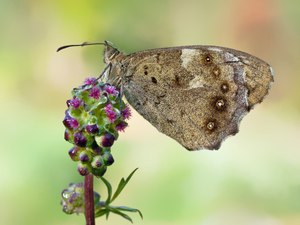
column 73, row 198
column 95, row 116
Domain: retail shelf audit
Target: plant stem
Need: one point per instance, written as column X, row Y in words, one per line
column 89, row 200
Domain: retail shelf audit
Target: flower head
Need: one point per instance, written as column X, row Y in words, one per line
column 92, row 129
column 112, row 90
column 95, row 93
column 73, row 199
column 70, row 122
column 111, row 114
column 90, row 80
column 121, row 126
column 94, row 117
column 75, row 102
column 107, row 140
column 126, row 113
column 79, row 139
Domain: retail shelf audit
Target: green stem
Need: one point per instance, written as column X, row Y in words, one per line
column 89, row 200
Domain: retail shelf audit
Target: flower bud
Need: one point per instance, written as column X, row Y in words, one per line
column 70, row 122
column 75, row 103
column 92, row 129
column 108, row 158
column 99, row 172
column 107, row 140
column 74, row 152
column 97, row 162
column 97, row 150
column 82, row 169
column 79, row 139
column 67, row 135
column 84, row 157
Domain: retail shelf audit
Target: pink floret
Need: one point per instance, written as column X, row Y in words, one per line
column 121, row 126
column 90, row 80
column 111, row 90
column 111, row 114
column 126, row 113
column 95, row 93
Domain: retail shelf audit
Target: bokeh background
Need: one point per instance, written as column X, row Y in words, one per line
column 253, row 179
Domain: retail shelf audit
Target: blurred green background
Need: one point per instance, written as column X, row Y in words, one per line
column 253, row 179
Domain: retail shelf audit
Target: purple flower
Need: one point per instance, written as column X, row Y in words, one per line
column 68, row 102
column 110, row 113
column 96, row 148
column 75, row 102
column 97, row 162
column 67, row 135
column 107, row 140
column 95, row 93
column 92, row 129
column 126, row 113
column 73, row 153
column 82, row 169
column 121, row 126
column 111, row 90
column 83, row 157
column 108, row 158
column 70, row 122
column 80, row 139
column 90, row 80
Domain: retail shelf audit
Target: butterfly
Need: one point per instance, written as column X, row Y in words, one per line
column 195, row 94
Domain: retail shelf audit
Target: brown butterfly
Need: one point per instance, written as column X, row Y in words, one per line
column 197, row 95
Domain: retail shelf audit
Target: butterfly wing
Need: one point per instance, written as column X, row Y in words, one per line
column 197, row 95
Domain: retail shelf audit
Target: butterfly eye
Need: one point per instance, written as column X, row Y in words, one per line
column 220, row 104
column 224, row 88
column 216, row 71
column 210, row 125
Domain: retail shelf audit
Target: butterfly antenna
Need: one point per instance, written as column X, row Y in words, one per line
column 80, row 45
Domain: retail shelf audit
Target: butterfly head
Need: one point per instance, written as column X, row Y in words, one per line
column 110, row 52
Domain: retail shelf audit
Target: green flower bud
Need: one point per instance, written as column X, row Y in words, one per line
column 97, row 162
column 99, row 172
column 108, row 158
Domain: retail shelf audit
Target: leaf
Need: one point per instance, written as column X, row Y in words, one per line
column 109, row 190
column 115, row 211
column 101, row 212
column 128, row 209
column 107, row 214
column 122, row 184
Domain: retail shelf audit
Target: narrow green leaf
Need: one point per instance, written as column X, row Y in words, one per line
column 109, row 190
column 122, row 184
column 128, row 209
column 107, row 214
column 101, row 212
column 115, row 211
column 130, row 175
